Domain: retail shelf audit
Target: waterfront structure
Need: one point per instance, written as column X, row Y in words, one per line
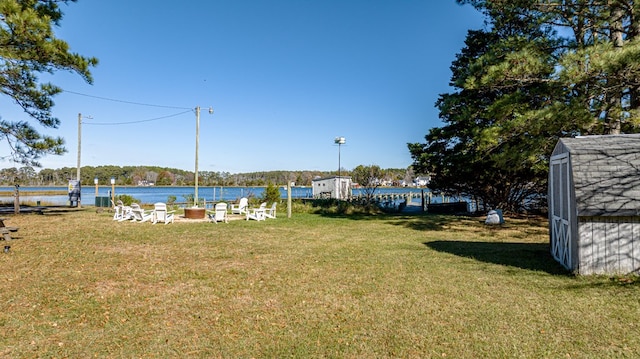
column 338, row 187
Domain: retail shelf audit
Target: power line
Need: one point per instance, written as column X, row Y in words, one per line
column 132, row 122
column 124, row 101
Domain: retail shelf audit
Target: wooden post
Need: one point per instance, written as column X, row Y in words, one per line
column 289, row 200
column 16, row 200
column 113, row 191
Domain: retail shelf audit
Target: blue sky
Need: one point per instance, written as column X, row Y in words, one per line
column 285, row 77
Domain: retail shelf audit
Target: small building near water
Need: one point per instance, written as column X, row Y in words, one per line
column 594, row 204
column 338, row 187
column 422, row 181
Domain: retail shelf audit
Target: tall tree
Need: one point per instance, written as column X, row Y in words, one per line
column 541, row 70
column 29, row 48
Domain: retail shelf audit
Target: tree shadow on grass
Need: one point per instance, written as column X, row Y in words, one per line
column 423, row 222
column 39, row 210
column 530, row 256
column 419, row 222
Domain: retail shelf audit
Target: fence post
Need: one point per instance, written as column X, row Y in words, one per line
column 16, row 200
column 289, row 200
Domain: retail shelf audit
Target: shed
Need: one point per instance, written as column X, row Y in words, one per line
column 332, row 187
column 594, row 204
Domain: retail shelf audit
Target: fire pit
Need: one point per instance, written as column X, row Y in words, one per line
column 194, row 213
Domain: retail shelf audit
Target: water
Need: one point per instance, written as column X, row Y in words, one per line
column 153, row 194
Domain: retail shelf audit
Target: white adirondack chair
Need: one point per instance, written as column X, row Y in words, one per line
column 160, row 214
column 219, row 213
column 139, row 214
column 271, row 212
column 257, row 214
column 241, row 207
column 121, row 212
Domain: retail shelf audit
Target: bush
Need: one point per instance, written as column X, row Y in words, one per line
column 126, row 199
column 300, row 206
column 271, row 193
column 334, row 206
column 188, row 198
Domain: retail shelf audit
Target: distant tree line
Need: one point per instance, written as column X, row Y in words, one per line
column 163, row 176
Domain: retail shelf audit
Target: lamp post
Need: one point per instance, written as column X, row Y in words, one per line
column 113, row 191
column 339, row 141
column 95, row 182
column 195, row 197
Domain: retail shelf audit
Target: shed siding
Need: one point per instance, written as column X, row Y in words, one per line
column 586, row 257
column 625, row 258
column 635, row 250
column 609, row 245
column 596, row 241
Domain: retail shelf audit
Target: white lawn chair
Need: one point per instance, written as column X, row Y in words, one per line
column 242, row 206
column 219, row 213
column 139, row 214
column 257, row 214
column 121, row 212
column 271, row 212
column 117, row 212
column 160, row 214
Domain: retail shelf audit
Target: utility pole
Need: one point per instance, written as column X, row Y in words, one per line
column 79, row 146
column 195, row 196
column 79, row 151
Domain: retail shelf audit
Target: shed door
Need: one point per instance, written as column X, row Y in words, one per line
column 560, row 190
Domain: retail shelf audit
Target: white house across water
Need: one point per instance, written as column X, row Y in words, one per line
column 594, row 204
column 338, row 187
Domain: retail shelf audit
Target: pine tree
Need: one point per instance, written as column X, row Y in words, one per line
column 28, row 48
column 541, row 70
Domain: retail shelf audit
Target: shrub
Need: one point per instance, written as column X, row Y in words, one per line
column 188, row 198
column 334, row 206
column 271, row 193
column 126, row 199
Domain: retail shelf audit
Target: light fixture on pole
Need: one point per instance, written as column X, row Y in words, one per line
column 195, row 196
column 95, row 182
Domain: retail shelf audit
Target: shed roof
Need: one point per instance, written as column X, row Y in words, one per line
column 606, row 174
column 330, row 178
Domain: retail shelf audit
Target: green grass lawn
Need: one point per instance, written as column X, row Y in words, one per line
column 77, row 285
